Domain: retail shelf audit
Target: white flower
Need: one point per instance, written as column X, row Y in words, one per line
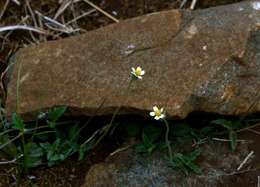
column 256, row 5
column 157, row 113
column 138, row 72
column 42, row 115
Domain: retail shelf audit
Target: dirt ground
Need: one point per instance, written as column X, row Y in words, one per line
column 70, row 173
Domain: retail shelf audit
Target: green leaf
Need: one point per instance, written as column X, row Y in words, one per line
column 151, row 148
column 185, row 162
column 207, row 131
column 179, row 163
column 62, row 157
column 224, row 123
column 46, row 146
column 33, row 150
column 59, row 150
column 161, row 146
column 83, row 149
column 140, row 148
column 233, row 140
column 195, row 135
column 33, row 156
column 17, row 122
column 149, row 137
column 32, row 162
column 51, row 124
column 194, row 154
column 193, row 167
column 146, row 141
column 56, row 113
column 74, row 133
column 189, row 158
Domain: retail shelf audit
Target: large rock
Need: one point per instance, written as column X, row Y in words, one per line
column 218, row 165
column 206, row 60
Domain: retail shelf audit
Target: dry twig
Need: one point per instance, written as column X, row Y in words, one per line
column 21, row 27
column 120, row 150
column 81, row 16
column 245, row 160
column 254, row 131
column 33, row 18
column 183, row 3
column 55, row 25
column 193, row 4
column 17, row 2
column 102, row 11
column 4, row 8
column 11, row 161
column 226, row 140
column 65, row 4
column 247, row 128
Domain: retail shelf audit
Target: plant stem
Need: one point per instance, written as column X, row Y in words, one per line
column 25, row 152
column 113, row 117
column 18, row 86
column 167, row 139
column 11, row 161
column 10, row 141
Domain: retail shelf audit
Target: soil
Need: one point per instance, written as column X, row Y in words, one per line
column 72, row 172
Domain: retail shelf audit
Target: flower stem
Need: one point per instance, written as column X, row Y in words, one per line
column 113, row 117
column 167, row 139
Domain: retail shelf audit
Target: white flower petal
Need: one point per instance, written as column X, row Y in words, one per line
column 161, row 110
column 155, row 108
column 139, row 77
column 162, row 116
column 142, row 72
column 133, row 69
column 152, row 114
column 156, row 117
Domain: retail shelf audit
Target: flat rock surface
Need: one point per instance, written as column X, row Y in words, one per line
column 205, row 60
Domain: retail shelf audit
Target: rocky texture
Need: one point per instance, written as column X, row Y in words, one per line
column 218, row 164
column 206, row 60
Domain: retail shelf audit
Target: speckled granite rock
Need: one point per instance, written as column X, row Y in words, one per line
column 129, row 169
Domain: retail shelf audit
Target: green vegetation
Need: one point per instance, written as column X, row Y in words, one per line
column 151, row 140
column 47, row 141
column 31, row 145
column 185, row 162
column 230, row 126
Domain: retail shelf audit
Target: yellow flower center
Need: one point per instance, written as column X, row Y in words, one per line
column 158, row 113
column 138, row 71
